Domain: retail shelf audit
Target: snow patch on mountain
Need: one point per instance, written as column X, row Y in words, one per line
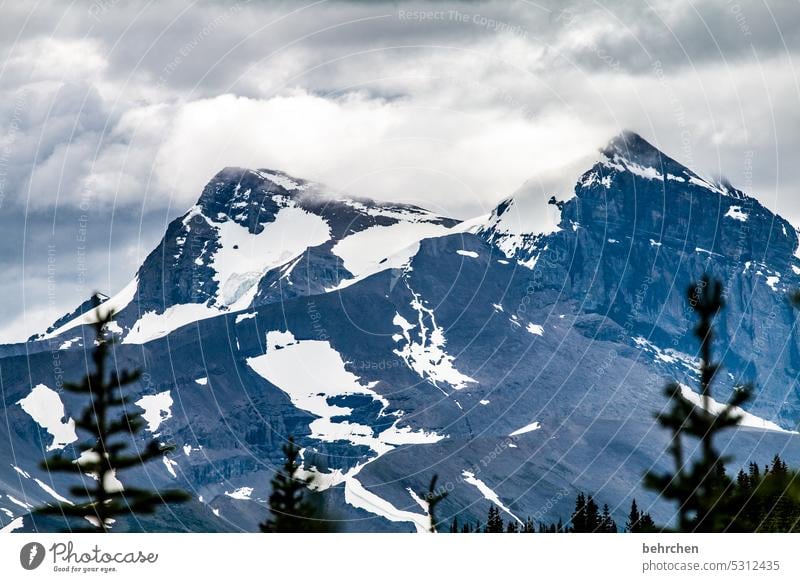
column 68, row 343
column 285, row 365
column 170, row 465
column 44, row 406
column 698, row 181
column 111, row 483
column 245, row 316
column 243, row 257
column 527, row 428
column 773, row 280
column 22, row 504
column 424, row 505
column 514, row 233
column 43, row 486
column 622, row 164
column 487, row 492
column 152, row 325
column 242, row 493
column 15, row 524
column 281, row 179
column 21, row 471
column 400, row 213
column 747, row 419
column 593, row 177
column 668, row 355
column 378, row 248
column 157, row 409
column 736, row 213
column 535, row 329
column 359, row 496
column 422, row 347
column 52, row 492
column 116, row 304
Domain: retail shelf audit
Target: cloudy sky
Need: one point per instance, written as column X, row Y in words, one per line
column 115, row 113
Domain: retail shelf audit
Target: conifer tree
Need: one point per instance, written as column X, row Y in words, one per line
column 579, row 522
column 634, row 518
column 293, row 506
column 698, row 485
column 766, row 500
column 607, row 523
column 433, row 498
column 494, row 523
column 646, row 524
column 592, row 515
column 102, row 456
column 639, row 521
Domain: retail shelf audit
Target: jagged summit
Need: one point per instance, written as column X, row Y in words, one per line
column 632, row 146
column 236, row 189
column 256, row 237
column 630, row 152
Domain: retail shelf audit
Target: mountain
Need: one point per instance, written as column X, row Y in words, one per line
column 518, row 363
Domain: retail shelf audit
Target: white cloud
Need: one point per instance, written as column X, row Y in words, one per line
column 334, row 93
column 400, row 149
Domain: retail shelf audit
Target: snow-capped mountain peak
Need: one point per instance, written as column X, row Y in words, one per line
column 258, row 236
column 393, row 343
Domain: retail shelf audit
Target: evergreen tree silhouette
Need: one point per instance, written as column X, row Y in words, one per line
column 494, row 523
column 634, row 519
column 592, row 515
column 293, row 507
column 646, row 524
column 699, row 485
column 528, row 527
column 110, row 432
column 639, row 521
column 433, row 498
column 579, row 521
column 607, row 523
column 766, row 500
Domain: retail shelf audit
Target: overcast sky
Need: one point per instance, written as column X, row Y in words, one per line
column 119, row 111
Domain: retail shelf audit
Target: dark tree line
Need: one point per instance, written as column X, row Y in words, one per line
column 765, row 500
column 639, row 521
column 587, row 517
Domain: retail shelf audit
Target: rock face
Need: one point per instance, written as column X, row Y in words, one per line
column 519, row 366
